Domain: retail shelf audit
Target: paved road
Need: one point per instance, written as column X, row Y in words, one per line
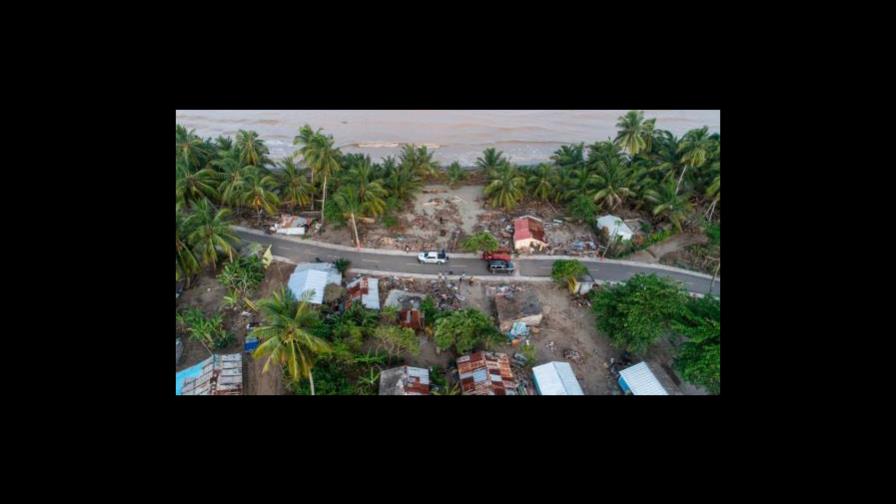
column 302, row 252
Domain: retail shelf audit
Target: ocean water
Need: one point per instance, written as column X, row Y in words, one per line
column 526, row 136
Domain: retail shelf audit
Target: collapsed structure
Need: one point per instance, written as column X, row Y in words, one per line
column 217, row 375
column 365, row 290
column 528, row 234
column 291, row 225
column 517, row 306
column 408, row 304
column 486, row 373
column 615, row 227
column 404, row 380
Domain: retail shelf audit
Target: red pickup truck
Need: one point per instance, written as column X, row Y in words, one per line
column 498, row 255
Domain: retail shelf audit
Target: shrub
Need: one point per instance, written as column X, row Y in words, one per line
column 242, row 276
column 635, row 314
column 342, row 265
column 466, row 330
column 483, row 241
column 565, row 271
column 209, row 331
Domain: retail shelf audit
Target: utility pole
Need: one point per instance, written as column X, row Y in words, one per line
column 718, row 265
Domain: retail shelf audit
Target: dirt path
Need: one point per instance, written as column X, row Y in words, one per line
column 655, row 252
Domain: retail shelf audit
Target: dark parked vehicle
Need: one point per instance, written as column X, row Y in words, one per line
column 500, row 267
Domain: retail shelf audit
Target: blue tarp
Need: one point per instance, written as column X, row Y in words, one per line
column 190, row 372
column 518, row 329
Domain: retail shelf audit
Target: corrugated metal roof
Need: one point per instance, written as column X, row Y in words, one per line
column 313, row 276
column 219, row 375
column 556, row 378
column 641, row 380
column 615, row 226
column 486, row 373
column 404, row 380
column 367, row 289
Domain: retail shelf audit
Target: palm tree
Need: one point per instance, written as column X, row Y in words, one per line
column 574, row 182
column 635, row 134
column 419, row 159
column 186, row 265
column 305, row 139
column 569, row 156
column 189, row 147
column 210, row 234
column 455, row 174
column 371, row 193
column 506, row 187
column 541, row 182
column 192, row 186
column 252, row 149
column 286, row 336
column 350, row 205
column 602, row 152
column 234, row 181
column 668, row 203
column 490, row 161
column 614, row 183
column 714, row 191
column 294, row 185
column 402, row 182
column 260, row 193
column 694, row 149
column 323, row 159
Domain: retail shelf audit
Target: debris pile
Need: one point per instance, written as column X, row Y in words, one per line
column 572, row 355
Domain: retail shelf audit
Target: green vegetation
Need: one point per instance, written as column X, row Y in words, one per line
column 395, row 340
column 643, row 168
column 466, row 330
column 634, row 315
column 566, row 271
column 637, row 314
column 342, row 265
column 480, row 242
column 455, row 174
column 242, row 276
column 287, row 335
column 207, row 330
column 699, row 357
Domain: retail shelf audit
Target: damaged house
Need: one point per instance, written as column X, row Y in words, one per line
column 365, row 290
column 408, row 304
column 291, row 225
column 486, row 373
column 217, row 375
column 404, row 380
column 521, row 306
column 313, row 278
column 528, row 234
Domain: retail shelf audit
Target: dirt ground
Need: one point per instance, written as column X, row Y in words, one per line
column 657, row 251
column 207, row 295
column 566, row 325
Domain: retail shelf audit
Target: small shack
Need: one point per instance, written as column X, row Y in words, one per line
column 404, row 380
column 408, row 304
column 291, row 225
column 217, row 375
column 314, row 278
column 615, row 227
column 528, row 234
column 486, row 373
column 517, row 306
column 556, row 378
column 365, row 290
column 640, row 380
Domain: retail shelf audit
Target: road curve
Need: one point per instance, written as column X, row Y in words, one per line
column 300, row 250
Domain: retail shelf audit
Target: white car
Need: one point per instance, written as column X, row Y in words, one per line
column 432, row 257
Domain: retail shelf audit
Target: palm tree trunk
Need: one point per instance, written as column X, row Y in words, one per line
column 712, row 208
column 324, row 204
column 355, row 227
column 713, row 281
column 312, row 190
column 677, row 186
column 311, row 380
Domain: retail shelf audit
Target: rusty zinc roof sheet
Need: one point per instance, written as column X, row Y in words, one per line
column 528, row 227
column 486, row 373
